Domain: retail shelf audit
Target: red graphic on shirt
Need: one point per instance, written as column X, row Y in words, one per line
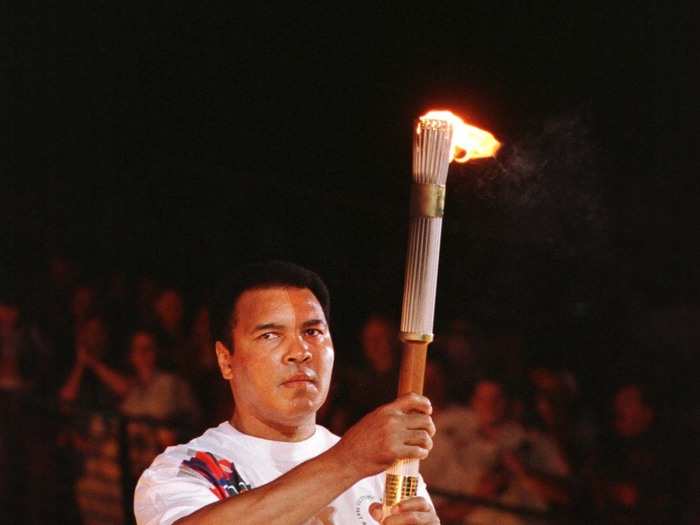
column 221, row 473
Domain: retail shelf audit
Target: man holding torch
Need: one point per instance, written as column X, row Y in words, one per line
column 274, row 347
column 271, row 463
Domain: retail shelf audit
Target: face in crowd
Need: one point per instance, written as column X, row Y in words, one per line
column 170, row 309
column 632, row 414
column 143, row 352
column 489, row 403
column 378, row 344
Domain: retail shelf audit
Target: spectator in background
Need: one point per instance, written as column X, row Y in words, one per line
column 25, row 454
column 83, row 388
column 87, row 440
column 24, row 353
column 637, row 466
column 212, row 393
column 160, row 403
column 169, row 312
column 49, row 298
column 374, row 382
column 436, row 388
column 146, row 295
column 458, row 345
column 82, row 304
column 478, row 451
column 149, row 391
column 552, row 412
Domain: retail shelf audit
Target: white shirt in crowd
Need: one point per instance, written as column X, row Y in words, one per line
column 461, row 456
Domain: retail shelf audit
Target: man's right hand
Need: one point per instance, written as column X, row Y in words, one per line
column 402, row 429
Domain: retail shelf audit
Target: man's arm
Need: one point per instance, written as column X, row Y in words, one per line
column 115, row 381
column 290, row 499
column 70, row 389
column 401, row 429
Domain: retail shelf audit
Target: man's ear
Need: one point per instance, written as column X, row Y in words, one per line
column 223, row 356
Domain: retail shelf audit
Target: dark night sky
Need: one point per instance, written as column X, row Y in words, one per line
column 182, row 140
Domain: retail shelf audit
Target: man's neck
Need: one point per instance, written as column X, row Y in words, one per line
column 274, row 431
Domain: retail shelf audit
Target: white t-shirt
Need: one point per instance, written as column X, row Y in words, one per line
column 165, row 396
column 223, row 462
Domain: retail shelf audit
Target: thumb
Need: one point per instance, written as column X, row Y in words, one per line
column 375, row 510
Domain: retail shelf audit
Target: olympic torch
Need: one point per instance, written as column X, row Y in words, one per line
column 440, row 137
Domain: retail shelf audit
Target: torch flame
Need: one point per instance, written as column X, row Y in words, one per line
column 468, row 142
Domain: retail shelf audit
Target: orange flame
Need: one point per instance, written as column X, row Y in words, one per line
column 468, row 142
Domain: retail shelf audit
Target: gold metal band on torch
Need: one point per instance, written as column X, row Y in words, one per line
column 427, row 200
column 415, row 337
column 399, row 488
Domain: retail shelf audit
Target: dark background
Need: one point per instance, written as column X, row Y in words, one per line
column 180, row 141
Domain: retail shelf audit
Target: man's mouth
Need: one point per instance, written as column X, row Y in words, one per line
column 298, row 379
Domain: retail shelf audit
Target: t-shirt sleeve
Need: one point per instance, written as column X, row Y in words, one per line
column 164, row 495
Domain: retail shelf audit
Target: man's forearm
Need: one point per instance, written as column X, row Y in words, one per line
column 114, row 380
column 70, row 389
column 291, row 499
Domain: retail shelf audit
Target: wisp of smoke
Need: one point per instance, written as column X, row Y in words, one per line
column 549, row 186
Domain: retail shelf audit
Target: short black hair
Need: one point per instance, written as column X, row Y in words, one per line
column 268, row 274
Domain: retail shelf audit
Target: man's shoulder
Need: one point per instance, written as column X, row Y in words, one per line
column 200, row 465
column 186, row 477
column 212, row 441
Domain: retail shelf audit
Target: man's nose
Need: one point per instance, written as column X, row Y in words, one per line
column 298, row 352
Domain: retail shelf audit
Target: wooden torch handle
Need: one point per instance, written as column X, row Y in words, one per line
column 412, row 371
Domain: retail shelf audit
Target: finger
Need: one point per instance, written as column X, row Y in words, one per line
column 375, row 510
column 413, row 403
column 413, row 452
column 414, row 504
column 419, row 438
column 420, row 422
column 411, row 517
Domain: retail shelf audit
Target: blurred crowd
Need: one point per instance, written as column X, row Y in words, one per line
column 98, row 376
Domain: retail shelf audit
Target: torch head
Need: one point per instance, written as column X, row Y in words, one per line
column 441, row 137
column 432, row 150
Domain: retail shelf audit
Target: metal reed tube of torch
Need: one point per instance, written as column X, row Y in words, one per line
column 431, row 158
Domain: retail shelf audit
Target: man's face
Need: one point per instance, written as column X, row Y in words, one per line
column 378, row 344
column 93, row 335
column 282, row 359
column 488, row 402
column 632, row 415
column 169, row 308
column 143, row 351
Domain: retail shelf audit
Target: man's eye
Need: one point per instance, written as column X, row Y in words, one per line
column 314, row 332
column 268, row 336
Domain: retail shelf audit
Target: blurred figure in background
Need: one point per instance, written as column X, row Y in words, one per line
column 82, row 304
column 361, row 389
column 205, row 377
column 25, row 364
column 88, row 448
column 169, row 309
column 25, row 356
column 150, row 391
column 145, row 298
column 458, row 347
column 83, row 388
column 638, row 468
column 478, row 451
column 556, row 415
column 163, row 399
column 158, row 404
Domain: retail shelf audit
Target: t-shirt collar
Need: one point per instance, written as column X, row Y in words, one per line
column 294, row 451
